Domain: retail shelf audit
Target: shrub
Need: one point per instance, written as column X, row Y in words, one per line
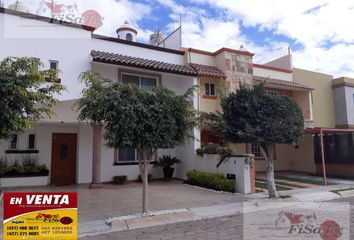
column 200, row 151
column 225, row 152
column 167, row 161
column 25, row 166
column 120, row 179
column 211, row 148
column 210, row 180
column 149, row 177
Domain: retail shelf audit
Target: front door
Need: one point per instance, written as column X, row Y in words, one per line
column 63, row 169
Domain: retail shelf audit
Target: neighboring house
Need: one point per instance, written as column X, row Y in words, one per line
column 333, row 108
column 226, row 68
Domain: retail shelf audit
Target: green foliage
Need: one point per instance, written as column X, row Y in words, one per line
column 212, row 148
column 92, row 105
column 225, row 152
column 200, row 151
column 210, row 180
column 26, row 96
column 24, row 166
column 167, row 161
column 120, row 179
column 250, row 115
column 155, row 118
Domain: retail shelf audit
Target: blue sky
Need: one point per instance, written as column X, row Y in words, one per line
column 319, row 32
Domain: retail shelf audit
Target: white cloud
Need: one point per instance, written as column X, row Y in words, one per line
column 322, row 27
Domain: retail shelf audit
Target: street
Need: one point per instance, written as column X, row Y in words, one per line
column 222, row 228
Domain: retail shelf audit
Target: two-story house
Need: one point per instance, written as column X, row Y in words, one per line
column 62, row 142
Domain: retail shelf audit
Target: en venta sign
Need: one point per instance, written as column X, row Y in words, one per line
column 36, row 216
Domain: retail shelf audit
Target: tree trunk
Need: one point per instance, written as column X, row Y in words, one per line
column 144, row 176
column 268, row 154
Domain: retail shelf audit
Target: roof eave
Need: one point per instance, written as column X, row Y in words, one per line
column 143, row 67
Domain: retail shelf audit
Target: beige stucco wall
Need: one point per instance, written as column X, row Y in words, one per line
column 292, row 158
column 302, row 98
column 267, row 73
column 323, row 107
column 192, row 57
column 206, row 104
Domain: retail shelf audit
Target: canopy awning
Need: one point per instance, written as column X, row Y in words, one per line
column 321, row 132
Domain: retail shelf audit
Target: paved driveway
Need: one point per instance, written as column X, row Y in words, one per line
column 120, row 200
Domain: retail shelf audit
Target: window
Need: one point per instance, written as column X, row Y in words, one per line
column 14, row 142
column 130, row 154
column 129, row 37
column 210, row 89
column 353, row 98
column 53, row 65
column 256, row 150
column 144, row 82
column 31, row 141
column 272, row 93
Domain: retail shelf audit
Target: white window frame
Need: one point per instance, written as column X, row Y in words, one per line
column 205, row 89
column 136, row 160
column 140, row 76
column 272, row 92
column 54, row 61
column 35, row 141
column 256, row 150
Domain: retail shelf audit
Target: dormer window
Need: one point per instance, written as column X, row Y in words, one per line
column 53, row 65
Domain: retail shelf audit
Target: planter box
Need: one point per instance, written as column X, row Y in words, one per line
column 24, row 181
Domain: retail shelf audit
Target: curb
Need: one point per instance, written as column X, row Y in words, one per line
column 130, row 222
column 346, row 193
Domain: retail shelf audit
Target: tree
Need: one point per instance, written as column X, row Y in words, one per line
column 133, row 117
column 27, row 93
column 251, row 115
column 92, row 108
column 147, row 119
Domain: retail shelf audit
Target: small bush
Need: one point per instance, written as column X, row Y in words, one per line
column 25, row 166
column 167, row 161
column 210, row 180
column 200, row 151
column 120, row 179
column 211, row 148
column 149, row 177
column 225, row 152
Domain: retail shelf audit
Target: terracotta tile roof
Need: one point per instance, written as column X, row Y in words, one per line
column 280, row 82
column 208, row 71
column 118, row 59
